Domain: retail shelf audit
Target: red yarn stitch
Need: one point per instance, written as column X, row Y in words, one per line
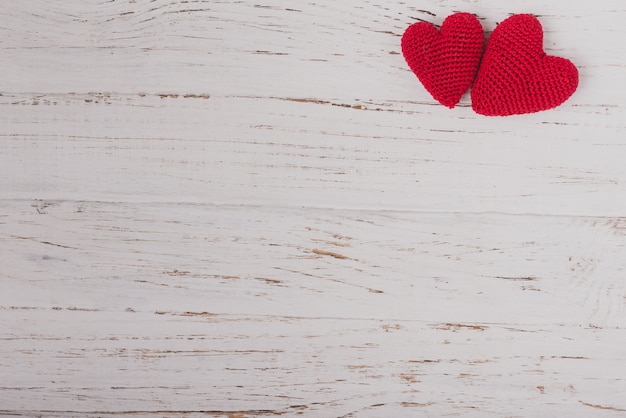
column 445, row 61
column 516, row 76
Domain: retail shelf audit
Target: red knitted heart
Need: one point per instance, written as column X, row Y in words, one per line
column 516, row 76
column 445, row 61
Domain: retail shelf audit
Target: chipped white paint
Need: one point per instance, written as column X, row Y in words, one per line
column 247, row 209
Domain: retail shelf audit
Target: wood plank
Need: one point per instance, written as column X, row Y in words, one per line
column 176, row 149
column 355, row 263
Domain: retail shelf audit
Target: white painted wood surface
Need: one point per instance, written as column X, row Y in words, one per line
column 253, row 208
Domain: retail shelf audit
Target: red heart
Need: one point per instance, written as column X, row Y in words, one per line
column 445, row 61
column 516, row 76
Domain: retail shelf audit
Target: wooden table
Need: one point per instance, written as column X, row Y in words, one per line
column 246, row 209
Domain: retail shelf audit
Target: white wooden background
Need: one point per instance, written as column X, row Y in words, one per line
column 253, row 208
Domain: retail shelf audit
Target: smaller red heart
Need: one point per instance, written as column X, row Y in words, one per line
column 445, row 61
column 516, row 76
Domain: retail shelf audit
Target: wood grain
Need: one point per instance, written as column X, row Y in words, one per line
column 239, row 209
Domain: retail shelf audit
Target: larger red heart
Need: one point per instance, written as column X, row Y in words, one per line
column 516, row 76
column 445, row 61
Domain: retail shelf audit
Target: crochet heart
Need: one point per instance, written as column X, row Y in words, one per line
column 516, row 76
column 445, row 61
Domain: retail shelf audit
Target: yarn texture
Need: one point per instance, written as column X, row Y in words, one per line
column 445, row 61
column 516, row 76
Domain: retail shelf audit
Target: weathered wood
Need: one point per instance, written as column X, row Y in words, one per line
column 240, row 209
